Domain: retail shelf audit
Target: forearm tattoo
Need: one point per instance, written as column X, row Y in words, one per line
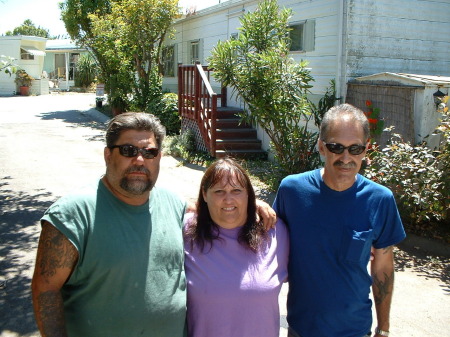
column 57, row 252
column 51, row 314
column 387, row 249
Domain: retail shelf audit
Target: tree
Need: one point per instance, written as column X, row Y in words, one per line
column 7, row 65
column 258, row 67
column 28, row 28
column 126, row 38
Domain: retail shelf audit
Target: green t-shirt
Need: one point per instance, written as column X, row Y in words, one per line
column 129, row 280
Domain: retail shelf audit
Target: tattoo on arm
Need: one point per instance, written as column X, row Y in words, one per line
column 59, row 252
column 387, row 249
column 51, row 314
column 384, row 287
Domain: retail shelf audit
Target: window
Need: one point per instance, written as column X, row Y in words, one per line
column 194, row 51
column 25, row 55
column 168, row 61
column 302, row 36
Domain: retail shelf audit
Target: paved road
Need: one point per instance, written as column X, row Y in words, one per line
column 51, row 144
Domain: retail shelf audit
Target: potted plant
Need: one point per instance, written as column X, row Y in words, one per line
column 23, row 80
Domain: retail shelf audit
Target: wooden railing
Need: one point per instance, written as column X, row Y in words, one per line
column 198, row 101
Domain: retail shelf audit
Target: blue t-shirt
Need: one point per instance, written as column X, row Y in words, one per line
column 331, row 234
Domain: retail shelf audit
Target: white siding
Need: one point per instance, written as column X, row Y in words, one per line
column 12, row 49
column 223, row 20
column 408, row 36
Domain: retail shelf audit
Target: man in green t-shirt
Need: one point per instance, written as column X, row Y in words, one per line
column 110, row 257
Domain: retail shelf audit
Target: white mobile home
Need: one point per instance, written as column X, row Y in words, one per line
column 60, row 62
column 341, row 39
column 29, row 53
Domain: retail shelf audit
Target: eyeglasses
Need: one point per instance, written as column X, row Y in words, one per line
column 132, row 151
column 339, row 148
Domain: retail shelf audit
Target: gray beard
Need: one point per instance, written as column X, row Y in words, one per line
column 135, row 186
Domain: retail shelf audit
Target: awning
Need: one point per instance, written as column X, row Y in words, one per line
column 33, row 51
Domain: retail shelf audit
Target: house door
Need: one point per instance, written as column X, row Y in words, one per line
column 60, row 65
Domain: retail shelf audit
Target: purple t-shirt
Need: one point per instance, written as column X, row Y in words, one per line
column 232, row 291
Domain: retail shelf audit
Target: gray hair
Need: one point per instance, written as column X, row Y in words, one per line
column 139, row 121
column 337, row 112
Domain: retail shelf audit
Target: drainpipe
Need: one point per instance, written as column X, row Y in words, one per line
column 340, row 67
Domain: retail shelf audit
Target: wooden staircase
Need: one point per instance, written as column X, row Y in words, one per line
column 235, row 138
column 220, row 127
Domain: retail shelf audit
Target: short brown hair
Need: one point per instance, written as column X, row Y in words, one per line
column 140, row 121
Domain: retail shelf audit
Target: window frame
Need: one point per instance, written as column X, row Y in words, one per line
column 168, row 64
column 307, row 36
column 25, row 55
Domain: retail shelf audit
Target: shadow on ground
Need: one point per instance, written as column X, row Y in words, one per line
column 429, row 262
column 19, row 214
column 75, row 119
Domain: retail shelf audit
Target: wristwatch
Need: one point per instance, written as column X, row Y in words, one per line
column 381, row 332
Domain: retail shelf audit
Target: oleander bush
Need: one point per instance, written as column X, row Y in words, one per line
column 417, row 175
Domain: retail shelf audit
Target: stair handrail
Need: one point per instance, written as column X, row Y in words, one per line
column 198, row 101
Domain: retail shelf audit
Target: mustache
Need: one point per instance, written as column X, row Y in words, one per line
column 139, row 169
column 341, row 164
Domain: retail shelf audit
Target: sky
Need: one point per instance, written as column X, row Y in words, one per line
column 46, row 13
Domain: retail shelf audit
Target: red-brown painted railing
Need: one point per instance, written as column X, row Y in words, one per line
column 198, row 101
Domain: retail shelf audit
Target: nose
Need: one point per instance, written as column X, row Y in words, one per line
column 227, row 197
column 139, row 159
column 346, row 156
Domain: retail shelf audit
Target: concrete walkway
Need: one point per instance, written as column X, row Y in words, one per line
column 52, row 144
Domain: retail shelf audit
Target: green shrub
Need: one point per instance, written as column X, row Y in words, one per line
column 87, row 71
column 414, row 175
column 183, row 146
column 165, row 106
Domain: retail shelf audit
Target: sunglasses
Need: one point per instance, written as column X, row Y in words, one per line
column 339, row 148
column 131, row 151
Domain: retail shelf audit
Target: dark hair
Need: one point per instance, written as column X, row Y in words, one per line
column 203, row 230
column 338, row 112
column 139, row 121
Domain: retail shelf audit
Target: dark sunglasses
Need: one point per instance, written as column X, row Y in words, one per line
column 339, row 148
column 132, row 151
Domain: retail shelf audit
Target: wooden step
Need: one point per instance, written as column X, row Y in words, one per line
column 225, row 113
column 235, row 133
column 232, row 123
column 238, row 144
column 248, row 154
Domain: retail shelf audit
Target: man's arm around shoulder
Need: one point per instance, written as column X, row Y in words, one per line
column 55, row 261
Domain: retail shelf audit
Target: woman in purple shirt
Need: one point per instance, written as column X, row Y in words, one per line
column 234, row 268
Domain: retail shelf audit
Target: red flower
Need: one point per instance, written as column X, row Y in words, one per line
column 368, row 103
column 373, row 121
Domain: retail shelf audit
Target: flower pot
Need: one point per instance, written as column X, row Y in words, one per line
column 24, row 91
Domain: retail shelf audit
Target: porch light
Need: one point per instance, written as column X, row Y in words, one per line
column 438, row 96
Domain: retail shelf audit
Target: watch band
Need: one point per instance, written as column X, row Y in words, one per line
column 381, row 332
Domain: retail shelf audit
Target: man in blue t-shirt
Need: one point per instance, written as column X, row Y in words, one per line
column 336, row 217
